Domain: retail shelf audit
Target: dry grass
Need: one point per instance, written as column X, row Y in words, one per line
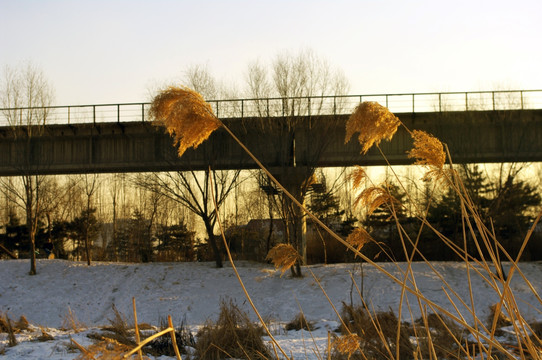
column 106, row 349
column 119, row 330
column 438, row 336
column 300, row 322
column 12, row 328
column 377, row 333
column 71, row 322
column 232, row 336
column 164, row 344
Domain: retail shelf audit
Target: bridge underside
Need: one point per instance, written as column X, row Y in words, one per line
column 477, row 136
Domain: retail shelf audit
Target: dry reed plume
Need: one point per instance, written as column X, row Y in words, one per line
column 347, row 344
column 374, row 197
column 357, row 176
column 427, row 150
column 283, row 256
column 358, row 238
column 374, row 123
column 186, row 116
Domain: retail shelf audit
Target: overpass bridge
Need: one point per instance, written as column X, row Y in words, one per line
column 490, row 126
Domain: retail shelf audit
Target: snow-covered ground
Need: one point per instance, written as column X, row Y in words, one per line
column 193, row 291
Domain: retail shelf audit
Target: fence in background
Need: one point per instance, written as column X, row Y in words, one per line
column 279, row 107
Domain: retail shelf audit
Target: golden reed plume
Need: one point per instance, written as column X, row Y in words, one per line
column 427, row 150
column 283, row 256
column 357, row 176
column 374, row 123
column 358, row 238
column 374, row 197
column 186, row 116
column 347, row 344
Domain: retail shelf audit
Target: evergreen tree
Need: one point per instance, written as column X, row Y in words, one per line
column 140, row 237
column 175, row 243
column 85, row 227
column 382, row 225
column 511, row 212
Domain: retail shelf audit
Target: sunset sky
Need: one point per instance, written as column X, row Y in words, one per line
column 109, row 51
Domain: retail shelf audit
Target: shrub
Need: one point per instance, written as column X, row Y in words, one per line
column 232, row 336
column 164, row 345
column 377, row 333
column 299, row 322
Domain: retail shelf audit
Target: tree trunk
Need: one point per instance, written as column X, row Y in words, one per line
column 30, row 224
column 87, row 247
column 212, row 242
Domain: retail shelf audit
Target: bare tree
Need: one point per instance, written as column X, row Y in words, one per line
column 25, row 93
column 193, row 190
column 294, row 78
column 90, row 183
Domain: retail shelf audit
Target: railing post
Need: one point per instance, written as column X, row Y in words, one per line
column 216, row 108
column 466, row 101
column 242, row 109
column 413, row 107
column 493, row 96
column 309, row 105
column 118, row 113
column 439, row 102
column 521, row 96
column 143, row 112
column 69, row 108
column 94, row 114
column 387, row 102
column 267, row 107
column 334, row 105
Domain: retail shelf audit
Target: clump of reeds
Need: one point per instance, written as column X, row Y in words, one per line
column 122, row 344
column 106, row 349
column 70, row 322
column 11, row 328
column 232, row 336
column 497, row 317
column 164, row 344
column 379, row 334
column 119, row 329
column 45, row 336
column 300, row 323
column 7, row 327
column 435, row 334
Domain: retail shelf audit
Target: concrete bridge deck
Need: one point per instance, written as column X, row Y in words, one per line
column 473, row 134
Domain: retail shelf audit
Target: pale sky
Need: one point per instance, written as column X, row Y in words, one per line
column 109, row 51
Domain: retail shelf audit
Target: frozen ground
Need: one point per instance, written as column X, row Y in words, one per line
column 193, row 291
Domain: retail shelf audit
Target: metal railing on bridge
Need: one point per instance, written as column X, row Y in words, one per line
column 277, row 107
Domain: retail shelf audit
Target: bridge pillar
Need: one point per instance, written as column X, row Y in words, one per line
column 295, row 181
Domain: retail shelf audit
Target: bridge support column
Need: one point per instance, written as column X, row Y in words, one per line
column 294, row 180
